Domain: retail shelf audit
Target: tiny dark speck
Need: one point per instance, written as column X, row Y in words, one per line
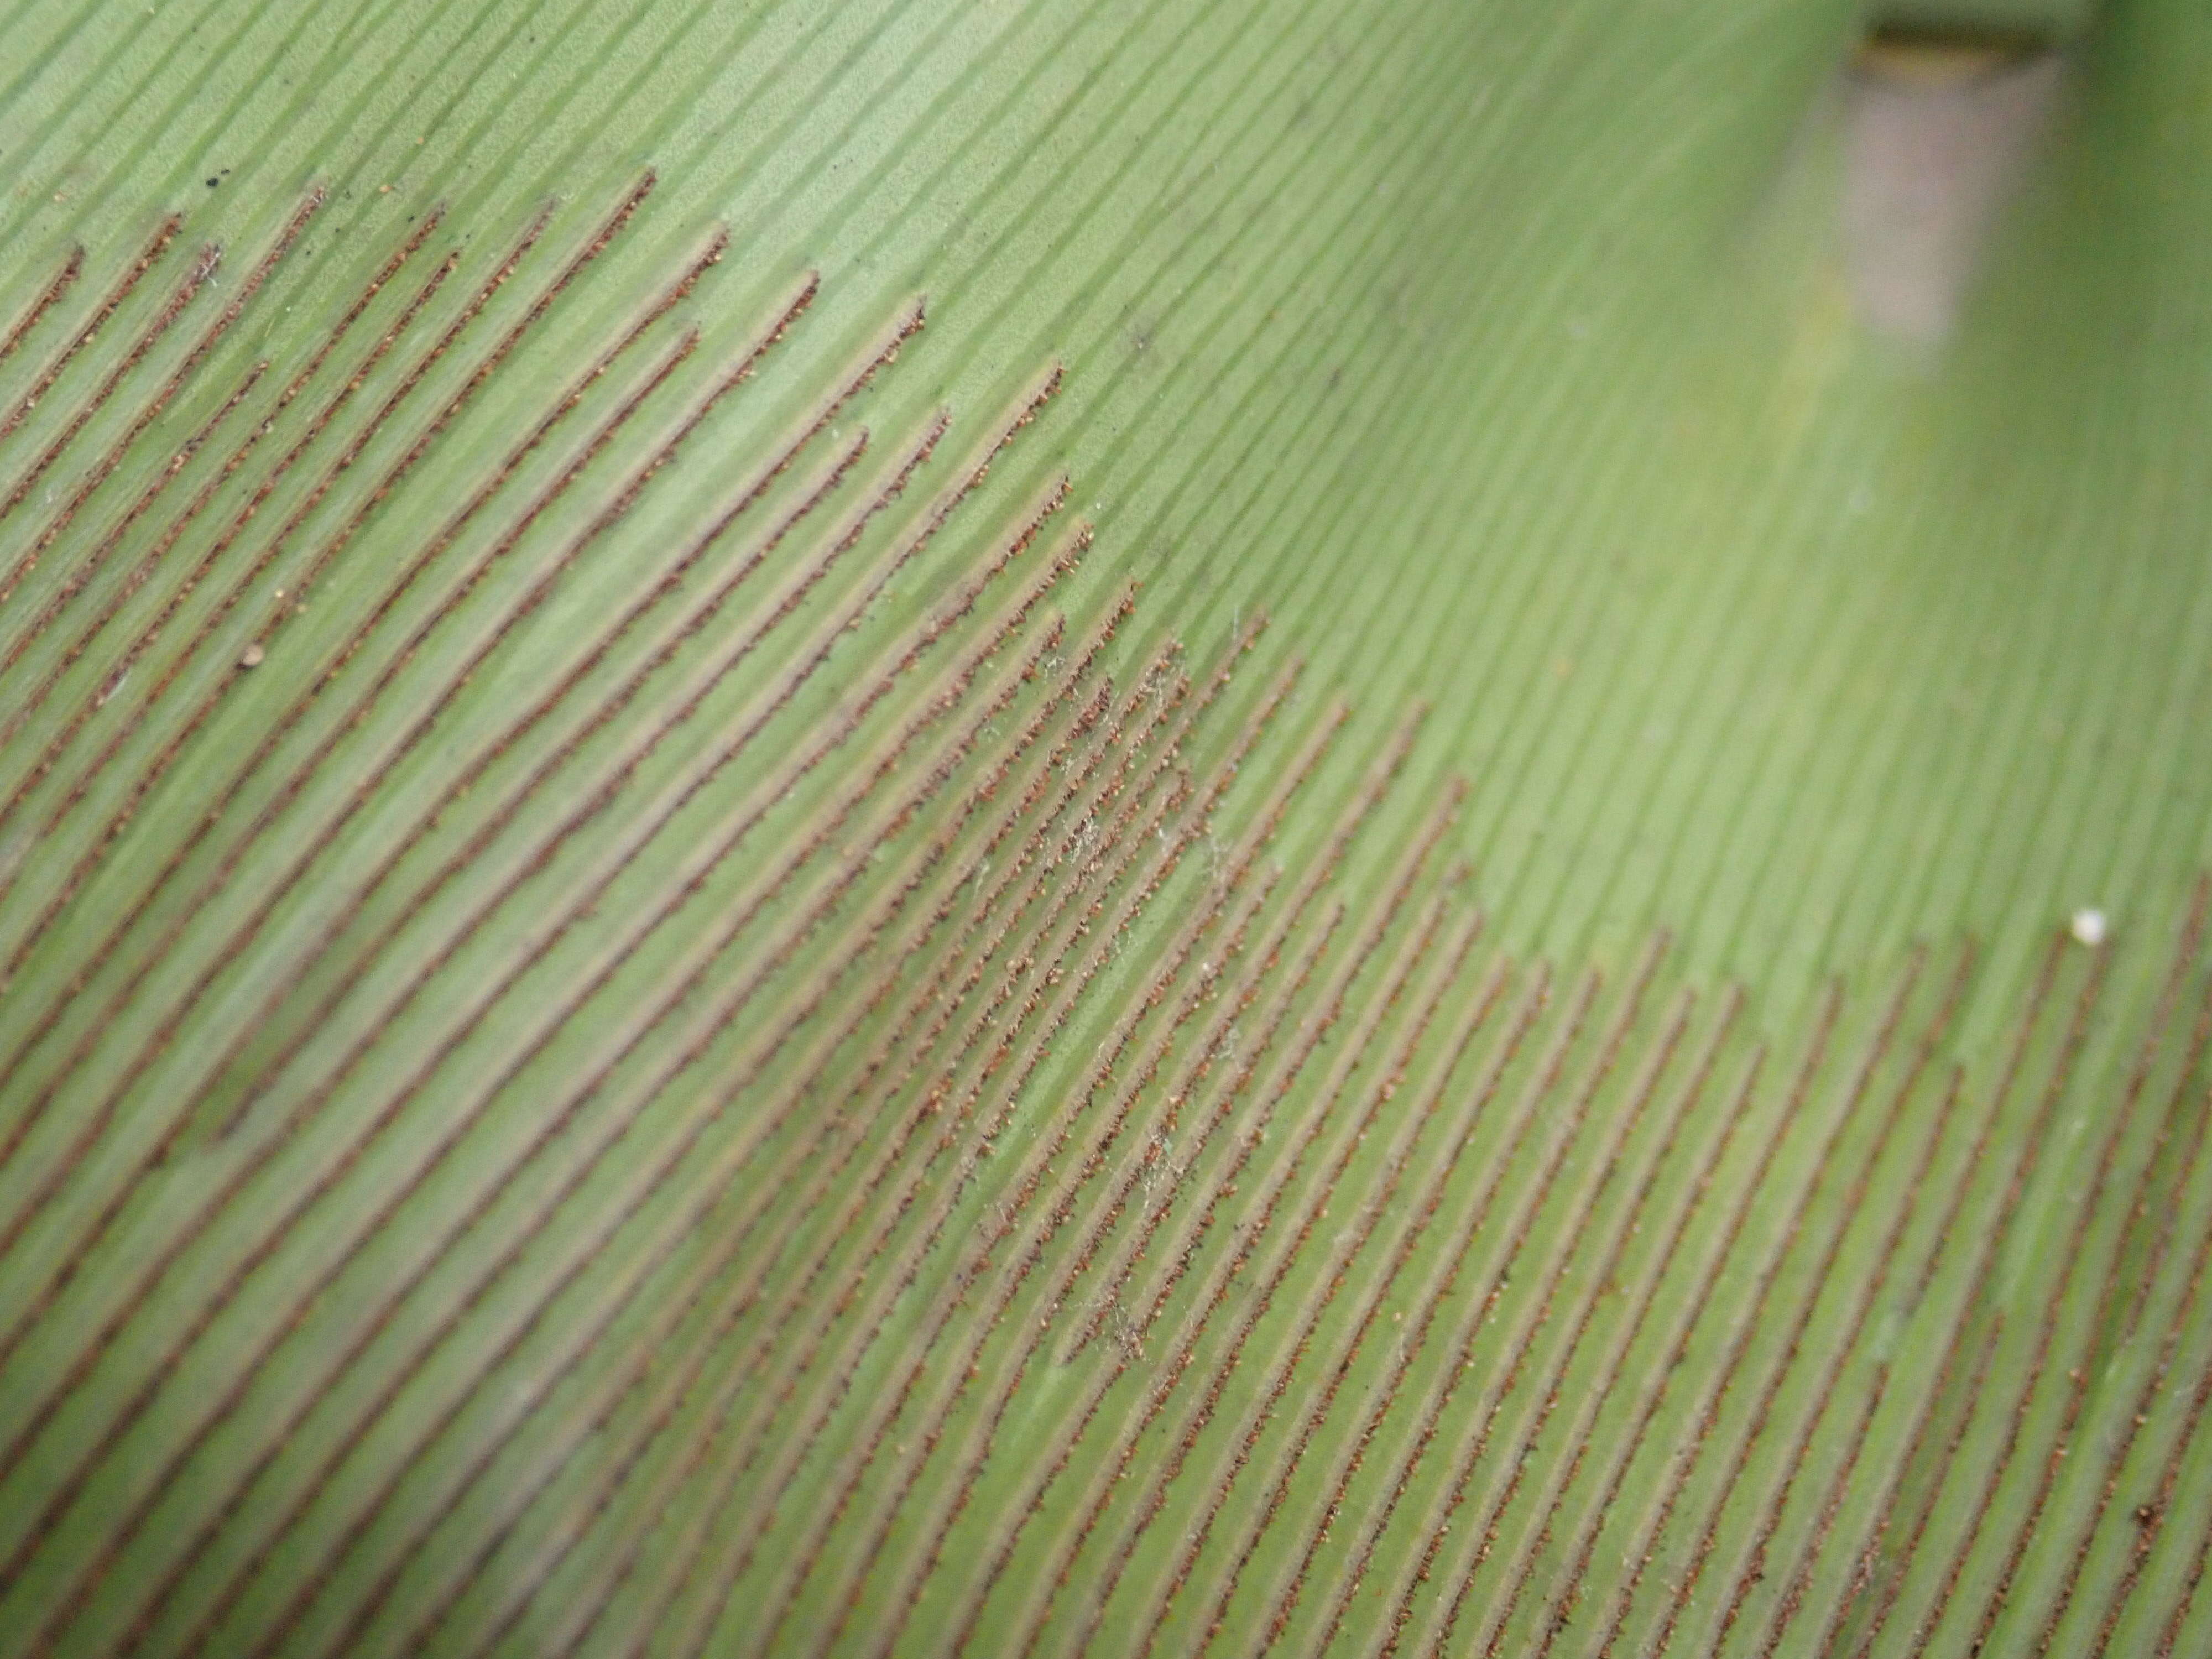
column 212, row 183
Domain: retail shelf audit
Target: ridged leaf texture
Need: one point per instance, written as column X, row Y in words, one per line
column 846, row 827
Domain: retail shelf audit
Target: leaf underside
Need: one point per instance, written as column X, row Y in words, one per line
column 1041, row 828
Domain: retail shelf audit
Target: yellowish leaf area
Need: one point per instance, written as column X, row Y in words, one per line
column 1030, row 828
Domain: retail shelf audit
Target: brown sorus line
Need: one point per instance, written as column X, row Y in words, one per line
column 1057, row 1015
column 98, row 845
column 1475, row 1440
column 502, row 815
column 1643, row 1087
column 99, row 842
column 669, row 1234
column 1122, row 1264
column 1932, row 1483
column 1749, row 1320
column 1106, row 729
column 560, row 1118
column 363, row 703
column 1600, row 1510
column 1106, row 1210
column 971, row 1462
column 346, row 457
column 1317, row 873
column 486, row 366
column 164, row 234
column 1624, row 1343
column 929, row 1427
column 584, row 1605
column 2118, row 1446
column 738, row 912
column 1118, row 833
column 590, row 802
column 156, row 951
column 1306, row 1135
column 195, row 278
column 1290, row 1353
column 1470, row 1115
column 143, row 570
column 89, row 567
column 99, row 473
column 515, row 1495
column 484, row 492
column 1793, row 1594
column 1469, row 1020
column 646, row 822
column 2109, row 1289
column 1870, row 1558
column 1445, row 1274
column 668, row 583
column 166, row 754
column 2061, row 1076
column 1062, row 929
column 728, row 1093
column 726, row 1096
column 63, row 280
column 1869, row 1293
column 1215, row 1112
column 184, row 1116
column 1260, row 1218
column 1605, row 1278
column 2155, row 1214
column 1301, row 973
column 1799, row 1580
column 730, row 1466
column 2148, row 1531
column 909, row 1125
column 818, row 836
column 1096, row 855
column 2195, row 1577
column 1428, row 1296
column 1069, row 989
column 1201, row 1219
column 941, row 1213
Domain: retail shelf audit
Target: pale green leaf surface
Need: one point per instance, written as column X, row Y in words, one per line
column 550, row 1109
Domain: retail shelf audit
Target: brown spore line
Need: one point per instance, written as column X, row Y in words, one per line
column 1059, row 713
column 673, row 1234
column 421, row 233
column 731, row 1240
column 1056, row 1217
column 150, row 561
column 255, row 831
column 936, row 1043
column 353, row 447
column 954, row 618
column 101, row 840
column 33, row 314
column 157, row 245
column 201, row 271
column 684, row 625
column 1008, row 1092
column 150, row 410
